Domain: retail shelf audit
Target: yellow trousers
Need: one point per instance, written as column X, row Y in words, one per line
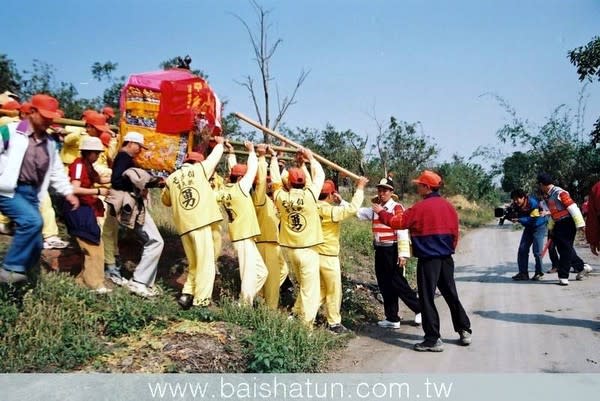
column 304, row 262
column 92, row 271
column 278, row 271
column 253, row 271
column 217, row 238
column 110, row 238
column 199, row 252
column 50, row 228
column 331, row 288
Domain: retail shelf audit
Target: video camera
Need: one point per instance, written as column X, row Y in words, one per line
column 506, row 213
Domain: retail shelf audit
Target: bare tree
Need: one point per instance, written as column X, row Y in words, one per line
column 263, row 53
column 379, row 139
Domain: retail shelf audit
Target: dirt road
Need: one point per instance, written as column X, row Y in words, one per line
column 517, row 326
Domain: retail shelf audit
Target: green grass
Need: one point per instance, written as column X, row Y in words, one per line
column 278, row 344
column 58, row 326
column 470, row 218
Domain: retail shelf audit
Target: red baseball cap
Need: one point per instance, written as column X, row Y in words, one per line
column 46, row 105
column 429, row 178
column 194, row 157
column 105, row 137
column 328, row 187
column 86, row 112
column 11, row 105
column 239, row 170
column 25, row 108
column 296, row 176
column 97, row 121
column 108, row 111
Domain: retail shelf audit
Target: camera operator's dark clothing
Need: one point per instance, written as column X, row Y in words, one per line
column 532, row 237
column 534, row 233
column 528, row 217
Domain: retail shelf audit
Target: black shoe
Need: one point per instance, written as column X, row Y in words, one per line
column 185, row 301
column 537, row 276
column 520, row 277
column 338, row 329
column 438, row 346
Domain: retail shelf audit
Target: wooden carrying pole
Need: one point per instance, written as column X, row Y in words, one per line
column 245, row 153
column 296, row 145
column 275, row 147
column 62, row 121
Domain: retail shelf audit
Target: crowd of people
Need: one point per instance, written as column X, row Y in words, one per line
column 557, row 217
column 279, row 221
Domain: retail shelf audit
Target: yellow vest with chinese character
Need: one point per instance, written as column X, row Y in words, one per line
column 239, row 209
column 300, row 225
column 191, row 197
column 268, row 221
column 331, row 219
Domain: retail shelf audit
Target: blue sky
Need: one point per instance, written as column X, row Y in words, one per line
column 427, row 61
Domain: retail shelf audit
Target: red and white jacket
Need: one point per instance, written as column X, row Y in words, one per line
column 383, row 234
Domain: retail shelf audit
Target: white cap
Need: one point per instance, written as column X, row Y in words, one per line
column 136, row 137
column 91, row 143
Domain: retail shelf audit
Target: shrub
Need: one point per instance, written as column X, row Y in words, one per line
column 277, row 343
column 55, row 330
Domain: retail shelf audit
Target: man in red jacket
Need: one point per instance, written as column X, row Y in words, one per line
column 433, row 227
column 592, row 219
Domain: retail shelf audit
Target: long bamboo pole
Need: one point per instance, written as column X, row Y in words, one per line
column 245, row 153
column 62, row 121
column 296, row 145
column 275, row 147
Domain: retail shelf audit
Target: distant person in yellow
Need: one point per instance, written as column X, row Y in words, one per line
column 268, row 220
column 333, row 209
column 195, row 208
column 300, row 231
column 11, row 105
column 243, row 224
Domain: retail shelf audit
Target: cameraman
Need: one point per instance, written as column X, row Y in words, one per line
column 534, row 233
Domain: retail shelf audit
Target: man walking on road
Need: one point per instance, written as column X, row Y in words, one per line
column 534, row 232
column 433, row 228
column 567, row 218
column 392, row 250
column 29, row 164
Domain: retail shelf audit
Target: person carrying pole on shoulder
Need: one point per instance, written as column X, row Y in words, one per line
column 188, row 192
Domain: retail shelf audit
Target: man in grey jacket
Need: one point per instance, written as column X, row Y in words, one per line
column 29, row 163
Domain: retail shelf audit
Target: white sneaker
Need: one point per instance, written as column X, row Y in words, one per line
column 388, row 325
column 586, row 270
column 113, row 274
column 563, row 281
column 54, row 242
column 418, row 318
column 102, row 290
column 141, row 289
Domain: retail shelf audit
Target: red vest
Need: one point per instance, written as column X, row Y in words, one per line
column 381, row 232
